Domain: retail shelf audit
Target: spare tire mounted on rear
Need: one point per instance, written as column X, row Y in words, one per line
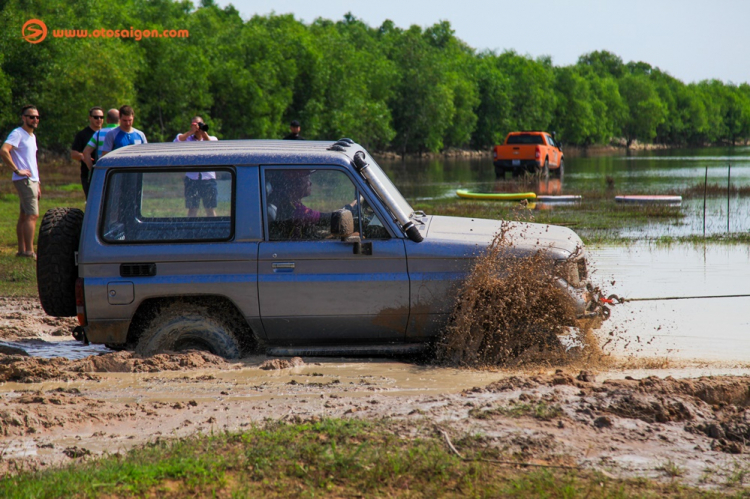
column 56, row 269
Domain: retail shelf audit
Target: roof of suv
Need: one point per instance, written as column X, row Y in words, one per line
column 230, row 152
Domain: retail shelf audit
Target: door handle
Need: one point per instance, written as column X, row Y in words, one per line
column 283, row 266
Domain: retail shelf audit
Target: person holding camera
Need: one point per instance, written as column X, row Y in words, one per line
column 198, row 131
column 199, row 185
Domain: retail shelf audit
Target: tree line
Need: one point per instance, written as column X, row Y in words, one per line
column 389, row 88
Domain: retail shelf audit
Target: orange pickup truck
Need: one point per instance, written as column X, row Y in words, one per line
column 528, row 152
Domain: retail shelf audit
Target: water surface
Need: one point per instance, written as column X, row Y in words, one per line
column 703, row 328
column 644, row 172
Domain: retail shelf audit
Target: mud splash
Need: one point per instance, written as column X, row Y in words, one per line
column 509, row 310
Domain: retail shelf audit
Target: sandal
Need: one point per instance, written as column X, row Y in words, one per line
column 26, row 254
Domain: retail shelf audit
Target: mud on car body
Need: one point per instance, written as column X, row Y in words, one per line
column 337, row 263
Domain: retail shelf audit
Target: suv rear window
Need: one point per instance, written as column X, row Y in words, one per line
column 178, row 205
column 526, row 138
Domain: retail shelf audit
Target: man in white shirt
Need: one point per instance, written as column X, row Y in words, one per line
column 19, row 153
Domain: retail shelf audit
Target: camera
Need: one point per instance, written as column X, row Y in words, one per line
column 203, row 126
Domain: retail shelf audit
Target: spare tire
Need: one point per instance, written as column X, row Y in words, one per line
column 56, row 269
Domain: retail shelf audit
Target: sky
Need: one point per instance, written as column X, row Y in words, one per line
column 692, row 40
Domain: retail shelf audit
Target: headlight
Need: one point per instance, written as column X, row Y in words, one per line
column 570, row 272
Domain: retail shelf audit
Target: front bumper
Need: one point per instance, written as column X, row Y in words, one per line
column 586, row 300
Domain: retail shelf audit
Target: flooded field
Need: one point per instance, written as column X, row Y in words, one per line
column 603, row 177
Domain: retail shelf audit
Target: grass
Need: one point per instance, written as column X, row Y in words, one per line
column 326, row 458
column 537, row 410
column 595, row 220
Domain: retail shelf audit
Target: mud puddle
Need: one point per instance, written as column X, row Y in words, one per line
column 65, row 348
column 711, row 329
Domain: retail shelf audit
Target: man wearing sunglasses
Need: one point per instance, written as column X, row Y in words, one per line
column 19, row 153
column 96, row 119
column 92, row 150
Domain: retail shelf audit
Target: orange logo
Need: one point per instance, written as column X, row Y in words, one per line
column 34, row 31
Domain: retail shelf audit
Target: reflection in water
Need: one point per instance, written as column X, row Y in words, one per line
column 710, row 329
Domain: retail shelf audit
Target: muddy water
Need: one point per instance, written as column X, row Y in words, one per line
column 67, row 347
column 709, row 329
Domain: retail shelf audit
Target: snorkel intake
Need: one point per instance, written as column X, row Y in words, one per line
column 411, row 230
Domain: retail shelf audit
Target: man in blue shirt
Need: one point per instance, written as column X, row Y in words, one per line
column 125, row 134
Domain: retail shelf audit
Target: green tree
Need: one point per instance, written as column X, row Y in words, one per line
column 422, row 105
column 574, row 115
column 645, row 111
column 494, row 107
column 531, row 92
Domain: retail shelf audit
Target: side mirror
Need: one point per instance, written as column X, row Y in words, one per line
column 342, row 224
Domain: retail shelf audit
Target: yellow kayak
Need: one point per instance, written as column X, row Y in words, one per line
column 499, row 196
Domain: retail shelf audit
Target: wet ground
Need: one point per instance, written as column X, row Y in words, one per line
column 55, row 410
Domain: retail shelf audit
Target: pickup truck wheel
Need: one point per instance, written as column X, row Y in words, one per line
column 180, row 327
column 560, row 171
column 500, row 172
column 56, row 270
column 545, row 168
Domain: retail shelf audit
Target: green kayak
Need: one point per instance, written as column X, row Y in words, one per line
column 499, row 196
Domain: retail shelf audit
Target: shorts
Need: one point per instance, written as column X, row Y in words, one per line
column 197, row 190
column 28, row 193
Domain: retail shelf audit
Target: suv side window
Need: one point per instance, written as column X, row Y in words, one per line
column 299, row 204
column 178, row 205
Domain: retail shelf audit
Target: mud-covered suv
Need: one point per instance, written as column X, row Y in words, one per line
column 306, row 247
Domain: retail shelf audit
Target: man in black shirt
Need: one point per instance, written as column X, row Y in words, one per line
column 295, row 129
column 96, row 120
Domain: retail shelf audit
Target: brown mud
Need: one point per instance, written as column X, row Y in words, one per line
column 511, row 310
column 55, row 411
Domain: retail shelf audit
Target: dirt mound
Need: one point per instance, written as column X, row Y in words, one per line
column 33, row 412
column 128, row 362
column 35, row 369
column 712, row 390
column 274, row 364
column 24, row 318
column 508, row 307
column 716, row 407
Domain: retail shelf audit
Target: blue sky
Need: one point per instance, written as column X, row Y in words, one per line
column 692, row 40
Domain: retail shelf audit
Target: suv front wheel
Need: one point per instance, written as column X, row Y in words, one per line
column 188, row 326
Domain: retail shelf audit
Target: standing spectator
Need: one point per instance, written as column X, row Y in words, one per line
column 96, row 119
column 19, row 153
column 294, row 128
column 125, row 134
column 199, row 185
column 94, row 145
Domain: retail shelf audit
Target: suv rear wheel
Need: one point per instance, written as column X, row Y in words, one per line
column 188, row 326
column 56, row 270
